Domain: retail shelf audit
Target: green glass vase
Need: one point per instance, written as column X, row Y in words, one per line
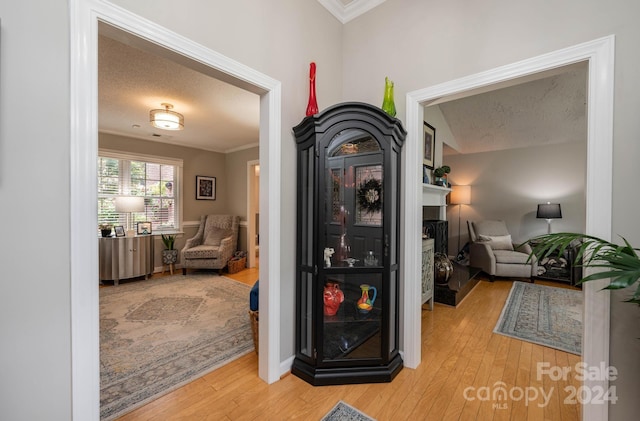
column 388, row 106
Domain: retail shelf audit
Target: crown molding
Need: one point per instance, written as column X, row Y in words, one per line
column 352, row 10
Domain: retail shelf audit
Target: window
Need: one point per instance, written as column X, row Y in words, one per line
column 155, row 179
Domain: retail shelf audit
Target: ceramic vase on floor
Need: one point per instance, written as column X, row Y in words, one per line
column 443, row 268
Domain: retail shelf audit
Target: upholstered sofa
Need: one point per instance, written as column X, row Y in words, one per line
column 214, row 244
column 492, row 250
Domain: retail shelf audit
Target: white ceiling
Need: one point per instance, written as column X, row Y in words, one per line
column 544, row 111
column 217, row 116
column 135, row 77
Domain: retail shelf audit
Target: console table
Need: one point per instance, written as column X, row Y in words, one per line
column 125, row 257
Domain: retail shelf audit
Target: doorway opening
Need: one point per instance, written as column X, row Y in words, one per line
column 85, row 17
column 600, row 56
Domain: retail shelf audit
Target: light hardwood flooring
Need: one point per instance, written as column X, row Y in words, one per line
column 461, row 356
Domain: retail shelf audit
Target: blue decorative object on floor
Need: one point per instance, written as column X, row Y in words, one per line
column 544, row 315
column 345, row 412
column 254, row 295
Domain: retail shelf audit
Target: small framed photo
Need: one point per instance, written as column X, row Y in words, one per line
column 119, row 231
column 144, row 228
column 428, row 146
column 426, row 173
column 205, row 188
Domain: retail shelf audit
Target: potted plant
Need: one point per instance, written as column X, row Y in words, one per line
column 169, row 254
column 105, row 229
column 440, row 174
column 620, row 263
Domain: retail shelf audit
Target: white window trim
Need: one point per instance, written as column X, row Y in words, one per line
column 163, row 160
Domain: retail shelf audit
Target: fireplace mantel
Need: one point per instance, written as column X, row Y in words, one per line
column 433, row 195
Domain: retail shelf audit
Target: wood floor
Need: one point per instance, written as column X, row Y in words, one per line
column 462, row 361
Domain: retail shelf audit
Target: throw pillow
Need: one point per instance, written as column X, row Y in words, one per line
column 498, row 242
column 216, row 235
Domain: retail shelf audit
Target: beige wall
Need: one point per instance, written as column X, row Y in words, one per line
column 229, row 169
column 195, row 162
column 419, row 44
column 236, row 179
column 416, row 43
column 277, row 38
column 509, row 184
column 35, row 299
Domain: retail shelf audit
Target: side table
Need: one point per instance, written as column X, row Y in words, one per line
column 428, row 245
column 125, row 257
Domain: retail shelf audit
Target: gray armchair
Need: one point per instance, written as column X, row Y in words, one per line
column 492, row 250
column 214, row 244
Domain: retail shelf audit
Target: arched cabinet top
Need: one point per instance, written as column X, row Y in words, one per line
column 351, row 115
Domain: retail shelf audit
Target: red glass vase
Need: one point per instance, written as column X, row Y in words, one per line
column 312, row 106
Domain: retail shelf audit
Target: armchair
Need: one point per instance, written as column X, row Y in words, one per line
column 214, row 244
column 492, row 250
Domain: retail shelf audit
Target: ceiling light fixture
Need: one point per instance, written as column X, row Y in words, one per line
column 166, row 119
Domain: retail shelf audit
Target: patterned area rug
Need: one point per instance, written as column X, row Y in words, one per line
column 543, row 315
column 345, row 412
column 159, row 334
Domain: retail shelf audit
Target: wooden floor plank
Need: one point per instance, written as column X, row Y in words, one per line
column 459, row 352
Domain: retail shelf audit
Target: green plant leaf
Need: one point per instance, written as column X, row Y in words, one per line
column 619, row 263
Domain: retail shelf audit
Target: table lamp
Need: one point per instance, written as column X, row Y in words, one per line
column 549, row 211
column 129, row 204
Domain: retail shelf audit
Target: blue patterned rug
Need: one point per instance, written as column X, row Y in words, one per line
column 345, row 412
column 544, row 315
column 159, row 334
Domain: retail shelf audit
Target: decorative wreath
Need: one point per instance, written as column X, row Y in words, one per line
column 370, row 195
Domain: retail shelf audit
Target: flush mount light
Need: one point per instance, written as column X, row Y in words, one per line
column 166, row 119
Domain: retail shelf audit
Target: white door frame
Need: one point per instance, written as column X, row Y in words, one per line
column 84, row 18
column 600, row 55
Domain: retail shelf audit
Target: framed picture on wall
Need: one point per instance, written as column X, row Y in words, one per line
column 428, row 145
column 205, row 187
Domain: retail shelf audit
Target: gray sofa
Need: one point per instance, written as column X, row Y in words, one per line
column 214, row 244
column 492, row 250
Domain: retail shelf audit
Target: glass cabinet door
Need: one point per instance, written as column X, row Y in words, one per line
column 353, row 233
column 354, row 200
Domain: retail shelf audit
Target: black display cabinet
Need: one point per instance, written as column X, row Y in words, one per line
column 348, row 225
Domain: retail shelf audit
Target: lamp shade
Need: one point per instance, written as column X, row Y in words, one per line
column 166, row 119
column 460, row 195
column 130, row 204
column 549, row 211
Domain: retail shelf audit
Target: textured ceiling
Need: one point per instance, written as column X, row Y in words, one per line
column 217, row 116
column 545, row 111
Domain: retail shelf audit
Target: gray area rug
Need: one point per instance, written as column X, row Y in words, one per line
column 159, row 334
column 543, row 315
column 345, row 412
